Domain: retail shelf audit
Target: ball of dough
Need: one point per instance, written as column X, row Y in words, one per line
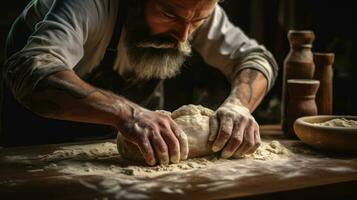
column 193, row 120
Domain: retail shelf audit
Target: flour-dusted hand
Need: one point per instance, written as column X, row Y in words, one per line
column 157, row 136
column 234, row 131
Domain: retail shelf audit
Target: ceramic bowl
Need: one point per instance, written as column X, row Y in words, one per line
column 326, row 137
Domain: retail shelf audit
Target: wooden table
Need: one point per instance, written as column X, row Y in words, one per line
column 305, row 176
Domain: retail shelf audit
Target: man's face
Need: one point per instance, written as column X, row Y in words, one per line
column 177, row 18
column 158, row 32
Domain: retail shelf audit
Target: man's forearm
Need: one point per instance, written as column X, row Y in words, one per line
column 65, row 96
column 248, row 89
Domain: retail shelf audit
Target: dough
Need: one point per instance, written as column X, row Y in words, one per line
column 339, row 122
column 194, row 121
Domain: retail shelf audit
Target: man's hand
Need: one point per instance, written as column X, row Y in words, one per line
column 157, row 136
column 234, row 131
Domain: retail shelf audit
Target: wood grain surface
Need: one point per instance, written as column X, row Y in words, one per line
column 307, row 175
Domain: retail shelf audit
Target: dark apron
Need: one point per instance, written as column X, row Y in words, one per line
column 22, row 127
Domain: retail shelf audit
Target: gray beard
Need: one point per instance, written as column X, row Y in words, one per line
column 152, row 56
column 158, row 61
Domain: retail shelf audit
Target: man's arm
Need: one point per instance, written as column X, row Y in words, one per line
column 65, row 96
column 248, row 89
column 227, row 48
column 250, row 68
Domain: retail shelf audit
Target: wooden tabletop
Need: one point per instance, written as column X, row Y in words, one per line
column 309, row 174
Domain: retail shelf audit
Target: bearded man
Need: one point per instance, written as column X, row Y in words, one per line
column 73, row 64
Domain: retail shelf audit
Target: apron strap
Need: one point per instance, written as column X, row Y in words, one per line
column 111, row 51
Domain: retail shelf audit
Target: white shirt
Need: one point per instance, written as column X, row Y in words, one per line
column 74, row 34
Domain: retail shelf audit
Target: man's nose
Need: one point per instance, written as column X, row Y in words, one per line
column 183, row 32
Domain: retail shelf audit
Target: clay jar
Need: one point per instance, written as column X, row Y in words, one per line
column 298, row 64
column 324, row 73
column 302, row 93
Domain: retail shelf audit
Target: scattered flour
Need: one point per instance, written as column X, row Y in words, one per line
column 270, row 151
column 339, row 122
column 104, row 159
column 82, row 152
column 102, row 169
column 87, row 160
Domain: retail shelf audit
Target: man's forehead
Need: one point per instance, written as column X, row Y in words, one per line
column 187, row 4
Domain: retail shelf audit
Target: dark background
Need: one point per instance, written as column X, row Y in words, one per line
column 268, row 21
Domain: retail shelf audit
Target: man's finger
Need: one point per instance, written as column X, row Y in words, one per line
column 234, row 142
column 147, row 151
column 242, row 127
column 257, row 142
column 183, row 140
column 160, row 148
column 248, row 141
column 213, row 128
column 238, row 153
column 172, row 144
column 225, row 132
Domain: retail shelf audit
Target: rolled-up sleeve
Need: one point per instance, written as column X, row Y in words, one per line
column 226, row 47
column 56, row 44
